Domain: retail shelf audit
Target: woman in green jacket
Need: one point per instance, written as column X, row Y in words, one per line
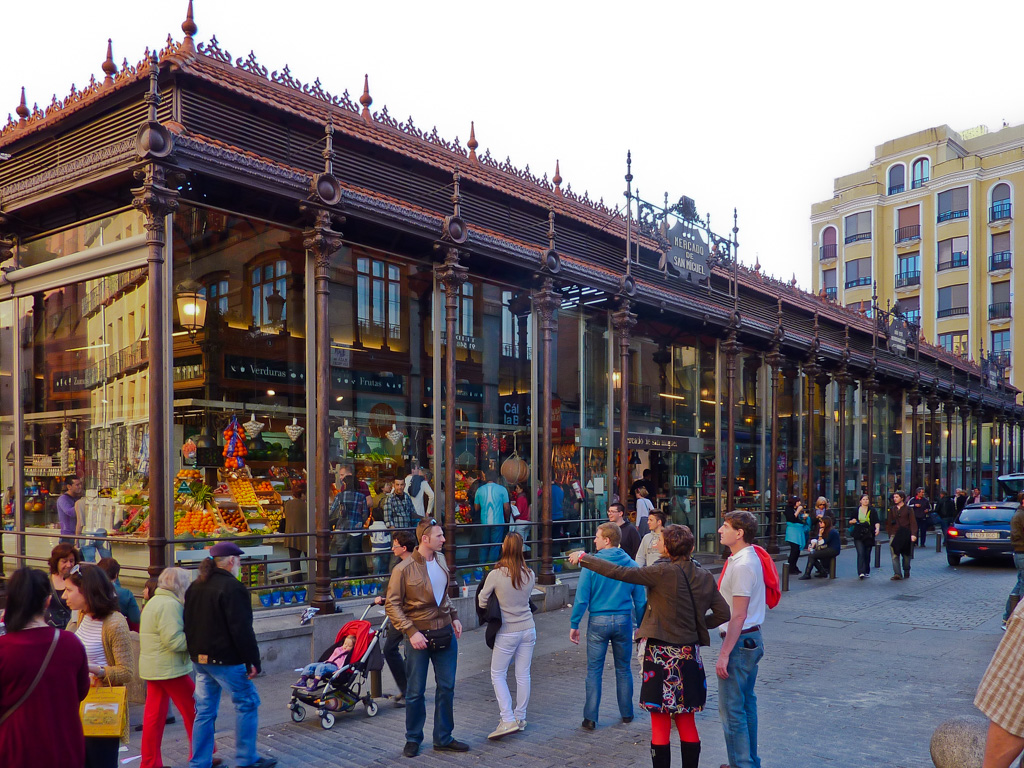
column 164, row 663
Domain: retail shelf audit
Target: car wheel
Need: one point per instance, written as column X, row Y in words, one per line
column 953, row 559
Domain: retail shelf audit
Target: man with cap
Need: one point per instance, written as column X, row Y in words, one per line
column 222, row 645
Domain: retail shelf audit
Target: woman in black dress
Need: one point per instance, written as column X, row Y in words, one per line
column 680, row 596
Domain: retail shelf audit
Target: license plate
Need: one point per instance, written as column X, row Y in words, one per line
column 983, row 534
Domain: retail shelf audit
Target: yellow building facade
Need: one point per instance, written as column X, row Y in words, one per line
column 931, row 221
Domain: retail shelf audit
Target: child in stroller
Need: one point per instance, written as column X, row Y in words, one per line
column 313, row 674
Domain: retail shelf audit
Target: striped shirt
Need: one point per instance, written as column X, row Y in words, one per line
column 90, row 632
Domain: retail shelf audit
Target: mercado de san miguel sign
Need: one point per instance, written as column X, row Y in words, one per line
column 687, row 254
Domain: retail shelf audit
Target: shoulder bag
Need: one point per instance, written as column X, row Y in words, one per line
column 39, row 676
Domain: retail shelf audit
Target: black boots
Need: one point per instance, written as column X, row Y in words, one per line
column 691, row 753
column 661, row 755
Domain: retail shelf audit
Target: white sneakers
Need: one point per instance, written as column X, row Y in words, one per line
column 504, row 729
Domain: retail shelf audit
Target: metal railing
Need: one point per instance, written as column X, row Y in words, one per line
column 896, row 189
column 951, row 312
column 857, row 282
column 1000, row 310
column 828, row 252
column 1003, row 358
column 957, row 260
column 1001, row 210
column 1000, row 260
column 904, row 279
column 950, row 215
column 857, row 237
column 918, row 183
column 913, row 316
column 910, row 232
column 832, row 293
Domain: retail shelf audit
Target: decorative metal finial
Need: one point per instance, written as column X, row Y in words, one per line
column 366, row 100
column 188, row 26
column 735, row 226
column 109, row 67
column 328, row 153
column 757, row 263
column 153, row 97
column 551, row 229
column 557, row 178
column 629, row 166
column 456, row 196
column 472, row 143
column 22, row 110
column 793, row 281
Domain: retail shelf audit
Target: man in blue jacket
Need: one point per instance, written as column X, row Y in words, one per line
column 613, row 606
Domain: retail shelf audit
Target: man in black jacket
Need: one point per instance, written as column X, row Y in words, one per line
column 222, row 644
column 629, row 535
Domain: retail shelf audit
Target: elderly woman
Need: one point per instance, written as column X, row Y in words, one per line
column 63, row 558
column 105, row 635
column 164, row 663
column 43, row 677
column 675, row 625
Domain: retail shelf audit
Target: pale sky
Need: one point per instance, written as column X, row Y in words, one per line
column 748, row 104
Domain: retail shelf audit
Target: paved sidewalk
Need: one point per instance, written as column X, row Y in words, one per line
column 856, row 673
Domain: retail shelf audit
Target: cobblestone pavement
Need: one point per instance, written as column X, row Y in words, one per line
column 856, row 673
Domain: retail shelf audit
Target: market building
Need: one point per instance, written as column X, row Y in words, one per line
column 220, row 284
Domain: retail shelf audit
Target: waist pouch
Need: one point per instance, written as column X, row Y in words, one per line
column 439, row 639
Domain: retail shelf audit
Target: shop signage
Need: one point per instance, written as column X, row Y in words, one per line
column 67, row 381
column 641, row 441
column 462, row 341
column 267, row 371
column 515, row 409
column 687, row 252
column 899, row 334
column 470, row 393
column 377, row 383
column 341, row 357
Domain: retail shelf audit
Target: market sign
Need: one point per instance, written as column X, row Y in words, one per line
column 642, row 441
column 899, row 335
column 462, row 341
column 470, row 393
column 265, row 371
column 377, row 383
column 515, row 409
column 67, row 381
column 687, row 252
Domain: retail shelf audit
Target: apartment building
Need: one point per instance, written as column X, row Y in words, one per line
column 931, row 222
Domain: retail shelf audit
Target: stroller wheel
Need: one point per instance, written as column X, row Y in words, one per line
column 371, row 708
column 327, row 721
column 298, row 713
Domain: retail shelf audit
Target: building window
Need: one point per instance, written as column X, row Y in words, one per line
column 466, row 310
column 1000, row 308
column 1002, row 255
column 378, row 299
column 828, row 244
column 860, row 306
column 828, row 282
column 1001, row 347
column 919, row 173
column 953, row 204
column 897, row 179
column 909, row 270
column 516, row 330
column 858, row 226
column 858, row 272
column 1001, row 206
column 953, row 252
column 216, row 292
column 910, row 308
column 270, row 293
column 909, row 224
column 953, row 300
column 955, row 342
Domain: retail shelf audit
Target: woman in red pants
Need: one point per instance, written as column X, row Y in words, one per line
column 164, row 663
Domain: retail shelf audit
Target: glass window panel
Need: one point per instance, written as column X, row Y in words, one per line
column 1000, row 192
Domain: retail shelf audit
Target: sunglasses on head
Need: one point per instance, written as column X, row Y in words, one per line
column 75, row 569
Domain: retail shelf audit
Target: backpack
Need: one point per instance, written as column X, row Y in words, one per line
column 772, row 588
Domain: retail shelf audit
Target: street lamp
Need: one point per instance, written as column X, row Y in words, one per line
column 191, row 307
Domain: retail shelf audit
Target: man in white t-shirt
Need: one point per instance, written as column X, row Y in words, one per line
column 742, row 586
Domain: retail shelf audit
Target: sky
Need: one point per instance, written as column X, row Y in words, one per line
column 748, row 105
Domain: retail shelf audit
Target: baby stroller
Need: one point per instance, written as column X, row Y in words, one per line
column 341, row 691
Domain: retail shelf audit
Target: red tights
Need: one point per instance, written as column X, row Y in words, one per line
column 661, row 727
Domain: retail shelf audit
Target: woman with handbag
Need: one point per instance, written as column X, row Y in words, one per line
column 104, row 633
column 798, row 523
column 824, row 549
column 44, row 675
column 675, row 625
column 865, row 529
column 511, row 582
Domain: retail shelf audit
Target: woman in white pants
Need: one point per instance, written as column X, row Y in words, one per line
column 512, row 583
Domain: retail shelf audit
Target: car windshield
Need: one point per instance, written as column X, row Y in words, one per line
column 1011, row 485
column 986, row 515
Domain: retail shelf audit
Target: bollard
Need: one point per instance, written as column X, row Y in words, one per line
column 785, row 577
column 375, row 684
column 938, row 541
column 878, row 555
column 832, row 568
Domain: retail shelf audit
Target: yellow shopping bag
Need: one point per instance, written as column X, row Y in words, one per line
column 105, row 711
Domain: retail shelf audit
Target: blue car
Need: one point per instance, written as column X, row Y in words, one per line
column 981, row 530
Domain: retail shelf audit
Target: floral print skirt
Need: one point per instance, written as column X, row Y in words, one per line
column 673, row 679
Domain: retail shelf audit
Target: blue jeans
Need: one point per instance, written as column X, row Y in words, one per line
column 737, row 704
column 445, row 663
column 1018, row 588
column 864, row 547
column 495, row 535
column 210, row 678
column 617, row 629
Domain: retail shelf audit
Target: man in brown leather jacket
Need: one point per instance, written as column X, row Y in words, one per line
column 419, row 607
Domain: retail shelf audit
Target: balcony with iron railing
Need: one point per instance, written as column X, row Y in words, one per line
column 950, row 215
column 913, row 316
column 1000, row 310
column 1000, row 260
column 918, row 183
column 828, row 252
column 905, row 234
column 895, row 189
column 957, row 260
column 857, row 237
column 908, row 279
column 1000, row 211
column 858, row 281
column 1003, row 358
column 831, row 293
column 951, row 312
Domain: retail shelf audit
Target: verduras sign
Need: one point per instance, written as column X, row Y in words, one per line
column 687, row 254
